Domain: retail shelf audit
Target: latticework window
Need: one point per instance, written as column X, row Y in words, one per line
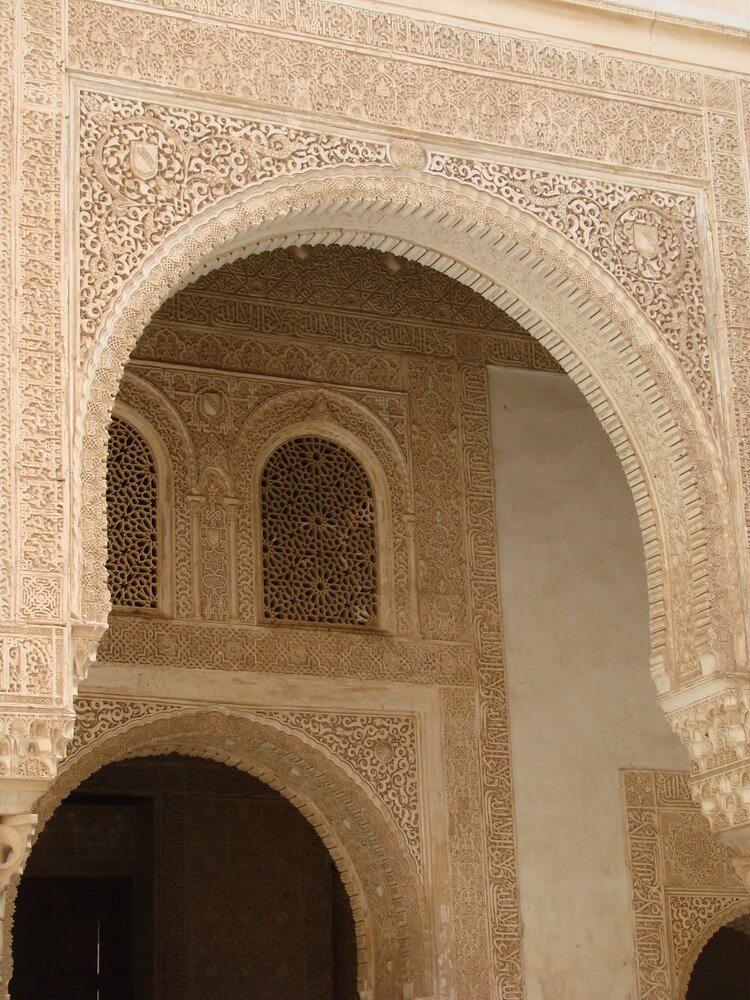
column 319, row 550
column 131, row 519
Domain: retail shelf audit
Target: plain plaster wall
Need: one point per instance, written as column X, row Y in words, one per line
column 582, row 703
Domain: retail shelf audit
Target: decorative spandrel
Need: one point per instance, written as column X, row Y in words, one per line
column 319, row 543
column 132, row 557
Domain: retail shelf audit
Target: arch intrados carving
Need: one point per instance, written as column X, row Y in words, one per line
column 355, row 831
column 319, row 423
column 597, row 334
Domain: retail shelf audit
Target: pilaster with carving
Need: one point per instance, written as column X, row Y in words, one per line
column 713, row 721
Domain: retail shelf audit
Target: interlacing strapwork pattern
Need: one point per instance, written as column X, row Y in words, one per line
column 131, row 519
column 319, row 550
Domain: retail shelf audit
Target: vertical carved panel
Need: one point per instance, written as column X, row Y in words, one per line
column 494, row 737
column 39, row 455
column 8, row 70
column 683, row 881
column 439, row 527
column 466, row 842
column 730, row 170
column 213, row 542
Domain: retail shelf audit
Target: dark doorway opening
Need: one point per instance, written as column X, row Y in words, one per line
column 74, row 940
column 176, row 877
column 722, row 971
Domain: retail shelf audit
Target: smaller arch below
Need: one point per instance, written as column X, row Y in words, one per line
column 717, row 967
column 192, row 876
column 386, row 897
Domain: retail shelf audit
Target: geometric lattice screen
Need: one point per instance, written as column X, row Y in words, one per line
column 131, row 519
column 318, row 528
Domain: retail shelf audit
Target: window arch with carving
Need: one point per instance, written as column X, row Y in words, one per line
column 319, row 550
column 132, row 519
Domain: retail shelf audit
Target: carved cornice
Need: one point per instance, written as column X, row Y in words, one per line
column 404, row 92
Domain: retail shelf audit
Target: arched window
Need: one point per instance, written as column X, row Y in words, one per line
column 318, row 532
column 132, row 519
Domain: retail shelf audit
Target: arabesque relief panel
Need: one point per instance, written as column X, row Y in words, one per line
column 153, row 159
column 684, row 885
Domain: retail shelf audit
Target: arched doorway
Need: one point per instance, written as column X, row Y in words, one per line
column 171, row 875
column 385, row 896
column 722, row 969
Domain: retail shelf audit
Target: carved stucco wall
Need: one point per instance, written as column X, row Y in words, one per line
column 401, row 75
column 683, row 881
column 645, row 239
column 645, row 164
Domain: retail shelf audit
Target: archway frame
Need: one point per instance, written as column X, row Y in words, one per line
column 379, row 875
column 719, row 920
column 595, row 331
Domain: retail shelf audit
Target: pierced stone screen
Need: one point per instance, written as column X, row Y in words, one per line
column 319, row 554
column 131, row 519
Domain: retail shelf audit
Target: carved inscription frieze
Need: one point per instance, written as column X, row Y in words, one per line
column 491, row 50
column 333, row 314
column 683, row 881
column 287, row 650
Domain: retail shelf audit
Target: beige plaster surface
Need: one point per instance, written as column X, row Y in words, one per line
column 580, row 696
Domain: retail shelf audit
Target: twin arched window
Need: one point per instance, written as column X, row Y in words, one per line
column 318, row 531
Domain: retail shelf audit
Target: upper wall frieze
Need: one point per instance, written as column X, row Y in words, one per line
column 384, row 89
column 493, row 50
